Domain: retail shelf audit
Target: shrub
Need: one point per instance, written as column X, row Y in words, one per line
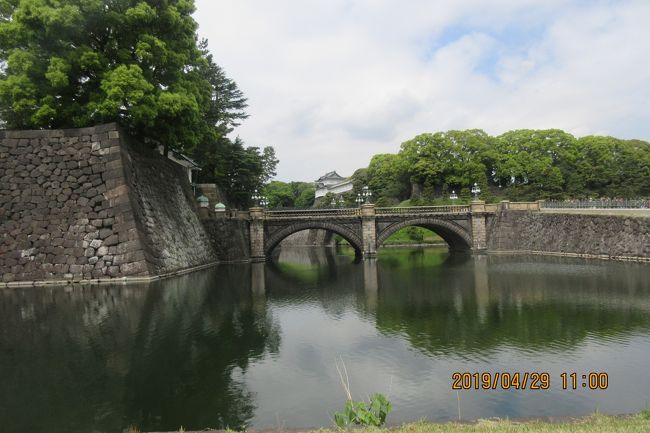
column 366, row 414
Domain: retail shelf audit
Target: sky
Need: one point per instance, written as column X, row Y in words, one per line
column 330, row 83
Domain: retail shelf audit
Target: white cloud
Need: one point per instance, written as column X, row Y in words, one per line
column 331, row 83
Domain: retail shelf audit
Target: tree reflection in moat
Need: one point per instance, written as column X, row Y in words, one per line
column 482, row 302
column 448, row 303
column 203, row 350
column 157, row 357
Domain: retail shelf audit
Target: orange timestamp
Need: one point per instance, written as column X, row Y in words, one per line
column 527, row 380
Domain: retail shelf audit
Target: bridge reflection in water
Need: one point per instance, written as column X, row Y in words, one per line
column 244, row 345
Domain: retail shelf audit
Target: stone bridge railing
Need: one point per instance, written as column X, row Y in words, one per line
column 395, row 210
column 312, row 213
column 422, row 209
column 356, row 212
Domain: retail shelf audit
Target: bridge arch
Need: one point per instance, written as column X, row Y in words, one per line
column 457, row 237
column 274, row 239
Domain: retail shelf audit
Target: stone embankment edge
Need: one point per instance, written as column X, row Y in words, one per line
column 121, row 280
column 577, row 255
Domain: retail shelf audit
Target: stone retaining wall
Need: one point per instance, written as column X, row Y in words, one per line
column 88, row 204
column 596, row 236
column 230, row 238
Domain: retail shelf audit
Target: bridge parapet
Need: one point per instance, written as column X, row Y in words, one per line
column 523, row 205
column 422, row 209
column 310, row 213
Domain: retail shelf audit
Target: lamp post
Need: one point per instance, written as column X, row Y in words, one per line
column 476, row 191
column 359, row 199
column 453, row 197
column 259, row 200
column 366, row 194
column 333, row 202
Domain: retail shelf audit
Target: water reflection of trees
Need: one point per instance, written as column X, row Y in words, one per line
column 315, row 275
column 157, row 356
column 538, row 303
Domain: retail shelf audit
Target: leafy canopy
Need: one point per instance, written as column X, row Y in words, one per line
column 75, row 63
column 519, row 165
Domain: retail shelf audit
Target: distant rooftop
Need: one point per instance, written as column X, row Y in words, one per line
column 330, row 175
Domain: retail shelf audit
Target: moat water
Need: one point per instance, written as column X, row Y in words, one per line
column 257, row 345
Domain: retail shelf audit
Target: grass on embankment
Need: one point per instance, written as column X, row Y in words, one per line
column 592, row 424
column 639, row 423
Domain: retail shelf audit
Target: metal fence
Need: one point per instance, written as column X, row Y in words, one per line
column 597, row 204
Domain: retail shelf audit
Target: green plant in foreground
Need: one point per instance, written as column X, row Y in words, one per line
column 645, row 414
column 367, row 414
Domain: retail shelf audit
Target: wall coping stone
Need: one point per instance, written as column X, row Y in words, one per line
column 118, row 280
column 567, row 254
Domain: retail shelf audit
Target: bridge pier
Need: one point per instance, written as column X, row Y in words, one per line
column 478, row 224
column 256, row 231
column 368, row 231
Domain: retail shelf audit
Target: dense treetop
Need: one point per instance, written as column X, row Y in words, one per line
column 518, row 165
column 76, row 63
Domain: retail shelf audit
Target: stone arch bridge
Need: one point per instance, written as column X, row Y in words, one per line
column 463, row 227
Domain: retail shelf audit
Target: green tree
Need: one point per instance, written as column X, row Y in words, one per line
column 535, row 163
column 612, row 167
column 70, row 63
column 237, row 170
column 447, row 160
column 279, row 194
column 388, row 177
column 520, row 165
column 306, row 197
column 292, row 194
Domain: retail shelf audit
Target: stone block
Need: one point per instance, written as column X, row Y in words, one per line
column 61, row 269
column 116, row 192
column 113, row 271
column 134, row 268
column 134, row 256
column 127, row 247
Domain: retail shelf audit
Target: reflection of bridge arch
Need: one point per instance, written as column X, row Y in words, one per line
column 274, row 239
column 456, row 236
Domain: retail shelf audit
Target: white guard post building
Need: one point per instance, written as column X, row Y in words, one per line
column 332, row 182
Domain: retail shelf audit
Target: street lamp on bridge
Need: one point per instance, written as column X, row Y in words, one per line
column 453, row 196
column 337, row 202
column 476, row 191
column 259, row 200
column 366, row 194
